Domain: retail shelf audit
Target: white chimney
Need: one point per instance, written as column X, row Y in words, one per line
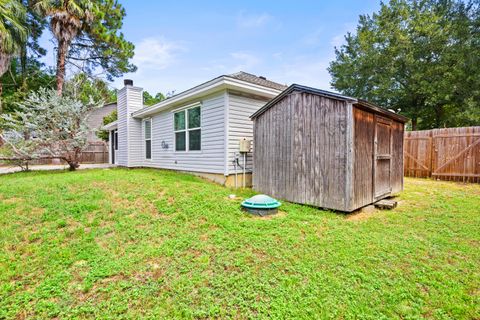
column 129, row 100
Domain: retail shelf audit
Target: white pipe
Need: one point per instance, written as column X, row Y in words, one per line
column 235, row 165
column 244, row 165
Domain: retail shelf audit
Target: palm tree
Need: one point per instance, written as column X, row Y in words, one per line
column 67, row 19
column 13, row 33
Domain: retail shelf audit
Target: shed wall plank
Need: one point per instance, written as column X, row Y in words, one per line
column 300, row 147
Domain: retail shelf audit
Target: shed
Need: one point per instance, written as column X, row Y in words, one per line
column 327, row 150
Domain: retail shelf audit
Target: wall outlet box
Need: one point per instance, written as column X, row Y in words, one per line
column 245, row 145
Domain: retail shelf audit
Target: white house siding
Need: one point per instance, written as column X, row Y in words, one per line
column 129, row 99
column 240, row 108
column 210, row 159
column 135, row 156
column 122, row 152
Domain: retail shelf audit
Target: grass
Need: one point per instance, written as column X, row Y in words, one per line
column 148, row 243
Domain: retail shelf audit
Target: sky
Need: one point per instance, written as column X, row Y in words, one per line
column 180, row 44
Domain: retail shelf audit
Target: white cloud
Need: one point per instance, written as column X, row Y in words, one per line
column 339, row 39
column 245, row 61
column 155, row 53
column 307, row 70
column 245, row 20
column 314, row 38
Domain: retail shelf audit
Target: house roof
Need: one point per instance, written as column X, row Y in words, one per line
column 95, row 120
column 262, row 81
column 240, row 81
column 332, row 95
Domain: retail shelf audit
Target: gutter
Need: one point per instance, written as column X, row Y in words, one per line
column 110, row 126
column 217, row 84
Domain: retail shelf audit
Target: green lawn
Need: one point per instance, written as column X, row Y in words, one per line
column 150, row 243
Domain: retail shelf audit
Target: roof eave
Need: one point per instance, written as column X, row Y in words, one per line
column 110, row 126
column 333, row 95
column 382, row 111
column 217, row 84
column 298, row 87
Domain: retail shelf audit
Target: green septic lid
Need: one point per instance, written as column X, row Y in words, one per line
column 261, row 201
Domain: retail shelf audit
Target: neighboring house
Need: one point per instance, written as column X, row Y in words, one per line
column 198, row 130
column 95, row 120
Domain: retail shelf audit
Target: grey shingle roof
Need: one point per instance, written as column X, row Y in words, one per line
column 261, row 81
column 95, row 120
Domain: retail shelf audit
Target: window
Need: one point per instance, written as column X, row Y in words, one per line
column 188, row 134
column 147, row 128
column 115, row 139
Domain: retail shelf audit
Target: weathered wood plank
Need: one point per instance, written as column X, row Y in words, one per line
column 310, row 152
column 448, row 154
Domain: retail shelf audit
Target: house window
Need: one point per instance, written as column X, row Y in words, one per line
column 187, row 127
column 147, row 128
column 115, row 139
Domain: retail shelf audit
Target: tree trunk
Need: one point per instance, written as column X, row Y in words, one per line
column 61, row 58
column 1, row 110
column 73, row 166
column 1, row 91
column 23, row 64
column 438, row 116
column 414, row 123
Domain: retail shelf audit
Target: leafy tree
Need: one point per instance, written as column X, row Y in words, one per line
column 21, row 80
column 86, row 88
column 13, row 33
column 47, row 125
column 150, row 100
column 419, row 57
column 104, row 134
column 25, row 72
column 88, row 36
column 31, row 49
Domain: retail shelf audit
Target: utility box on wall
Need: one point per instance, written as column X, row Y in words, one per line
column 327, row 150
column 245, row 145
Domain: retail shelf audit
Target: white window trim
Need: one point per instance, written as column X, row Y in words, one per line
column 188, row 106
column 186, row 130
column 145, row 140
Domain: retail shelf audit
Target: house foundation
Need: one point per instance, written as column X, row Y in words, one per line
column 227, row 181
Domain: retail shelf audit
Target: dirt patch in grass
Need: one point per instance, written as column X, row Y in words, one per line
column 362, row 214
column 13, row 200
column 278, row 215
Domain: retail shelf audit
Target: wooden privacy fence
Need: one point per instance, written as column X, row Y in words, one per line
column 96, row 152
column 447, row 154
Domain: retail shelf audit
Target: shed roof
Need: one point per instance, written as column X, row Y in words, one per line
column 332, row 95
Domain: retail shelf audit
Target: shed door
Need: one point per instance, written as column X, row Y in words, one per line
column 382, row 156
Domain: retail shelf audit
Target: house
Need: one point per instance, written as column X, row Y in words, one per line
column 198, row 130
column 324, row 149
column 95, row 120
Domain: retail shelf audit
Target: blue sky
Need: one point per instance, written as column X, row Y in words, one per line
column 180, row 44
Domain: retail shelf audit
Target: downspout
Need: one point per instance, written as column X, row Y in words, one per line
column 226, row 133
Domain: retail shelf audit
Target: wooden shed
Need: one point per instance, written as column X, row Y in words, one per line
column 324, row 149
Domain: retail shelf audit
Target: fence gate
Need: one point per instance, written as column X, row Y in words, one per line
column 447, row 154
